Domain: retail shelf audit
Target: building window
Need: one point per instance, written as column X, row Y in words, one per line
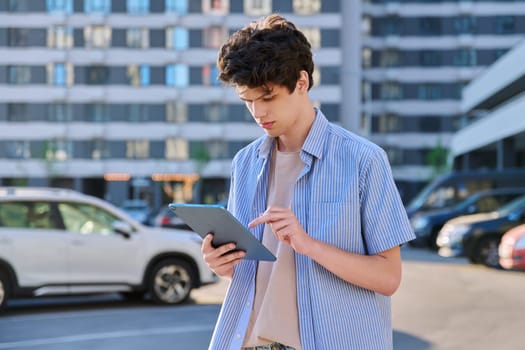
column 177, row 6
column 306, row 7
column 57, row 150
column 366, row 26
column 177, row 38
column 18, row 149
column 430, row 26
column 217, row 149
column 60, row 74
column 391, row 91
column 97, row 6
column 391, row 26
column 97, row 36
column 313, row 35
column 138, row 75
column 137, row 149
column 389, row 58
column 96, row 75
column 19, row 74
column 100, row 149
column 505, row 25
column 210, row 75
column 465, row 25
column 59, row 112
column 465, row 57
column 96, row 112
column 430, row 58
column 257, row 7
column 18, row 112
column 177, row 75
column 214, row 36
column 215, row 112
column 137, row 112
column 137, row 38
column 176, row 112
column 138, row 7
column 215, row 7
column 429, row 92
column 395, row 155
column 389, row 123
column 18, row 37
column 60, row 37
column 59, row 6
column 177, row 149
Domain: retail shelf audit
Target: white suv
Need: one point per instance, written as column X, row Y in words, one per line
column 60, row 242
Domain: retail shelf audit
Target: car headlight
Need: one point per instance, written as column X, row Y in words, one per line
column 419, row 223
column 520, row 243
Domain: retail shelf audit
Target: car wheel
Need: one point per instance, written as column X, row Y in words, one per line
column 4, row 288
column 487, row 252
column 171, row 281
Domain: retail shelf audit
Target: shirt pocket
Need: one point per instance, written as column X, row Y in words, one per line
column 336, row 223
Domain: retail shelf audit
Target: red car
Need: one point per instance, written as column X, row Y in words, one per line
column 512, row 249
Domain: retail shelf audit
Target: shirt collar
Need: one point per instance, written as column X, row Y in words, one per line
column 313, row 144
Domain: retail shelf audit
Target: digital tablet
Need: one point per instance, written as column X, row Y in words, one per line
column 204, row 219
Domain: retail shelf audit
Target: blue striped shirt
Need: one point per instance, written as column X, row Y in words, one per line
column 345, row 196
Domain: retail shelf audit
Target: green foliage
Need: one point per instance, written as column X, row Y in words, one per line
column 437, row 158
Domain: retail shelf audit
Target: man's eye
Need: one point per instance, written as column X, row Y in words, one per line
column 266, row 99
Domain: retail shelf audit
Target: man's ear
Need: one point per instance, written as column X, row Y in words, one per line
column 303, row 81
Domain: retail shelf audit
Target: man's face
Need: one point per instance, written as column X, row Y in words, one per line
column 273, row 107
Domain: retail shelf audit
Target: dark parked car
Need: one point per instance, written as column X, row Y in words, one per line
column 450, row 189
column 478, row 236
column 427, row 224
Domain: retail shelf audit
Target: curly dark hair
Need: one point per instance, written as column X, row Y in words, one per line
column 270, row 50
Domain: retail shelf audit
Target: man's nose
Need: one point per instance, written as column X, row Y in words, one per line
column 258, row 109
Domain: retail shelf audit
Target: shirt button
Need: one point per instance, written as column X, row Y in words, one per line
column 238, row 336
column 248, row 303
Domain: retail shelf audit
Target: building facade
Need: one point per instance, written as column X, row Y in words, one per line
column 495, row 101
column 120, row 98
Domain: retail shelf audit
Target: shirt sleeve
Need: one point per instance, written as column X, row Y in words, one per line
column 384, row 222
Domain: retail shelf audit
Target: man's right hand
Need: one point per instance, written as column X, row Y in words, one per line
column 222, row 259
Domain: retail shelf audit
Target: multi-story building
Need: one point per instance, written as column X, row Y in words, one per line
column 119, row 98
column 496, row 139
column 417, row 56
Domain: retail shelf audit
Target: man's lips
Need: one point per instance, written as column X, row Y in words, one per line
column 266, row 125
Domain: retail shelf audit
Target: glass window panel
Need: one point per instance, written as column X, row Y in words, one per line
column 177, row 75
column 60, row 37
column 214, row 36
column 97, row 6
column 18, row 149
column 59, row 112
column 100, row 149
column 216, row 7
column 177, row 149
column 176, row 112
column 137, row 149
column 57, row 150
column 257, row 7
column 19, row 74
column 137, row 38
column 138, row 6
column 389, row 58
column 59, row 6
column 391, row 91
column 177, row 38
column 59, row 74
column 306, row 7
column 138, row 75
column 177, row 6
column 97, row 36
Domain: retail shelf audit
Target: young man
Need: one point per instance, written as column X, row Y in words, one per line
column 319, row 197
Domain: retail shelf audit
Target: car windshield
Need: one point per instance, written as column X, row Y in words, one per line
column 516, row 204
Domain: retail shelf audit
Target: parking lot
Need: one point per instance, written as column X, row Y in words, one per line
column 442, row 304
